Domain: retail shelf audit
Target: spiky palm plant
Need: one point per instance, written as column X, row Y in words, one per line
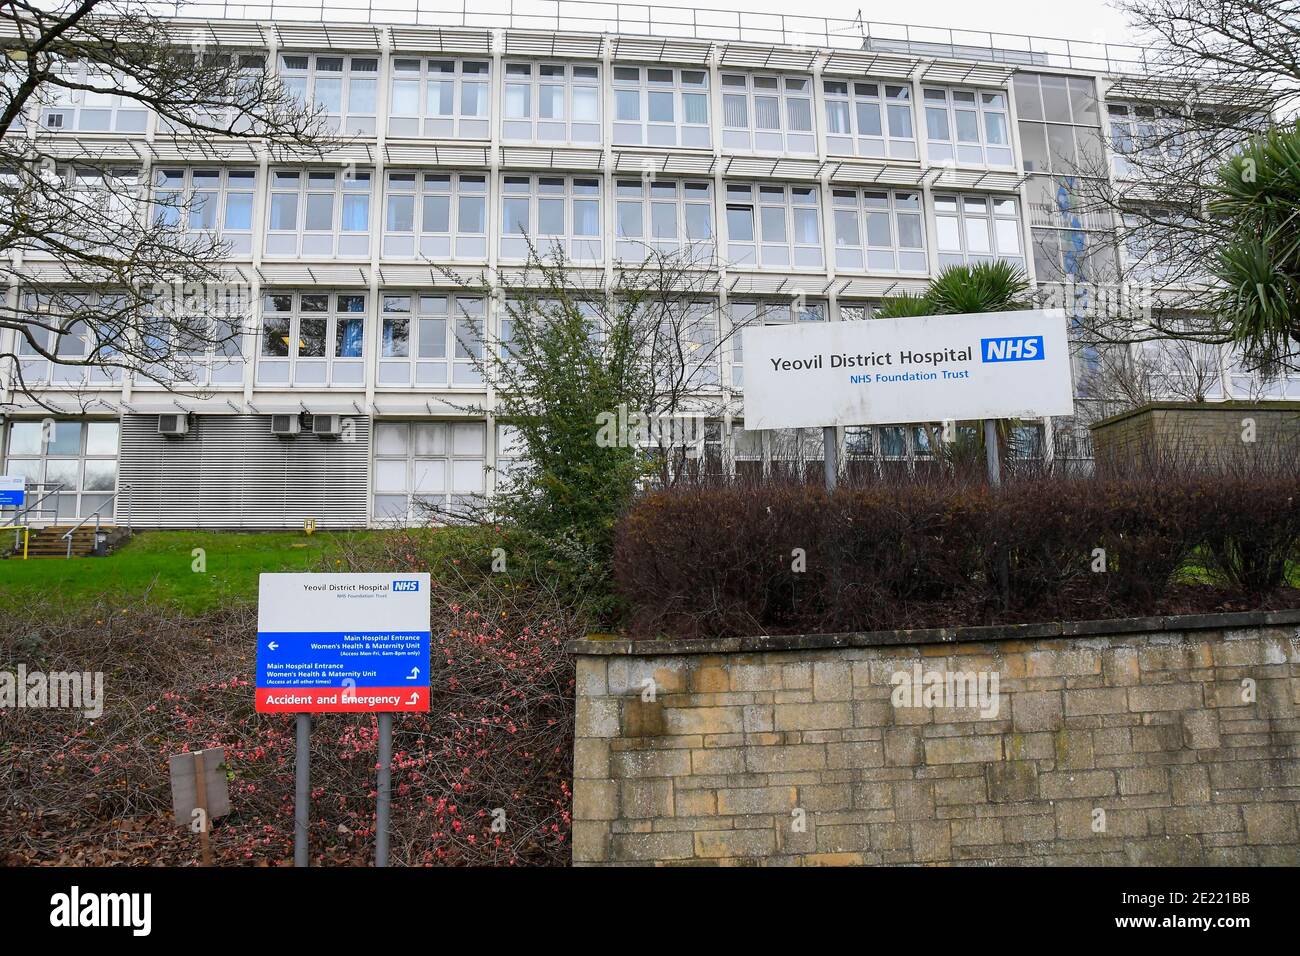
column 997, row 286
column 1258, row 193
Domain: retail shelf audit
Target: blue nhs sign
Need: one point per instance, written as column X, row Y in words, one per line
column 1012, row 348
column 406, row 585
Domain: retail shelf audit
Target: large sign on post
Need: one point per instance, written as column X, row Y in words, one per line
column 13, row 490
column 918, row 369
column 343, row 643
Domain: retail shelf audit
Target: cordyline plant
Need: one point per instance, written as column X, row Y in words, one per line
column 1259, row 195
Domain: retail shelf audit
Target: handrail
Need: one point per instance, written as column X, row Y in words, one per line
column 30, row 507
column 67, row 536
column 695, row 22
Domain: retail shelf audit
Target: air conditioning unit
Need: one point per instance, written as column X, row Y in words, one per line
column 285, row 426
column 174, row 426
column 327, row 426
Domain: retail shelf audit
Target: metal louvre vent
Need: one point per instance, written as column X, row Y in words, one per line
column 231, row 472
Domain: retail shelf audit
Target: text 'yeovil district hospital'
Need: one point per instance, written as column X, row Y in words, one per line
column 819, row 168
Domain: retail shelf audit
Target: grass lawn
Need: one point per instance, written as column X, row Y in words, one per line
column 158, row 566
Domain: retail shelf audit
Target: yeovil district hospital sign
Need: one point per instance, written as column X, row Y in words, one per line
column 917, row 369
column 343, row 642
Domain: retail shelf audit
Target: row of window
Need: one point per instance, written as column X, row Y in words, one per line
column 555, row 102
column 441, row 216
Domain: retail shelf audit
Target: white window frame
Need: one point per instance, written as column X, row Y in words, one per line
column 302, row 73
column 988, row 104
column 345, row 188
column 462, row 461
column 443, row 330
column 748, row 313
column 419, row 188
column 893, row 206
column 83, row 500
column 688, row 198
column 853, row 98
column 646, row 84
column 787, row 89
column 240, row 182
column 764, row 250
column 312, row 371
column 75, row 107
column 424, row 73
column 998, row 209
column 530, row 126
column 566, row 191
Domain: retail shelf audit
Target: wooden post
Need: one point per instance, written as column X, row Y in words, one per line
column 201, row 804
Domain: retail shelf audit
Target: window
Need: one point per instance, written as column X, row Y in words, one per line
column 663, row 214
column 439, row 98
column 197, row 339
column 210, row 200
column 866, row 118
column 767, row 114
column 427, row 338
column 968, row 127
column 1059, row 125
column 551, row 103
column 319, row 213
column 977, row 229
column 553, row 212
column 344, row 88
column 64, row 324
column 435, row 216
column 773, row 225
column 1141, row 133
column 96, row 108
column 510, row 454
column 661, row 106
column 75, row 459
column 312, row 338
column 747, row 314
column 878, row 230
column 420, row 466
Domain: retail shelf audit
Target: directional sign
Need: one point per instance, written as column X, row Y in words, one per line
column 343, row 642
column 13, row 490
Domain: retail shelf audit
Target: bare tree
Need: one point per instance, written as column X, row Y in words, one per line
column 1217, row 73
column 113, row 280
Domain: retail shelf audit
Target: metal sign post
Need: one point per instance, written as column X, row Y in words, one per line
column 991, row 458
column 302, row 791
column 831, row 456
column 383, row 788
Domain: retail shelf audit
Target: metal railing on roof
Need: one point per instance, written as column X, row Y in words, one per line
column 699, row 23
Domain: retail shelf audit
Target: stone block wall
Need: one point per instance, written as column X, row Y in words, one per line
column 1145, row 742
column 1211, row 430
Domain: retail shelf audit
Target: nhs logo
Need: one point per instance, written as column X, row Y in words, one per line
column 406, row 585
column 1012, row 348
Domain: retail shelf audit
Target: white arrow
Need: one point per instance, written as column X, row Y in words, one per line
column 415, row 672
column 415, row 698
column 273, row 646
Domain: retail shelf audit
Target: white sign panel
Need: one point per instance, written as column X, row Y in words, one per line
column 13, row 490
column 920, row 369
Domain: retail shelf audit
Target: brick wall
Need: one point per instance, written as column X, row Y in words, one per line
column 1149, row 742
